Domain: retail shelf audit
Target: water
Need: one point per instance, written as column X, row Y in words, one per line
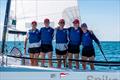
column 111, row 50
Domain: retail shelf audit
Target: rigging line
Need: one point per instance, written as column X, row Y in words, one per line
column 31, row 58
column 102, row 62
column 106, row 65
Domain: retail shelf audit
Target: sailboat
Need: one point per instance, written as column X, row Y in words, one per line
column 20, row 13
column 19, row 17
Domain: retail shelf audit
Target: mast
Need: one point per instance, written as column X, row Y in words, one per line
column 5, row 26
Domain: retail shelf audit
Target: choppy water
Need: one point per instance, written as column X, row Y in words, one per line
column 111, row 50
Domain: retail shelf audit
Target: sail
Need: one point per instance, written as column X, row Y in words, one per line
column 23, row 12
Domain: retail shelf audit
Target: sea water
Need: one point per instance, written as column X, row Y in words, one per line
column 111, row 50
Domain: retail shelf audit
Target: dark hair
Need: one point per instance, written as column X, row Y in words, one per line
column 84, row 25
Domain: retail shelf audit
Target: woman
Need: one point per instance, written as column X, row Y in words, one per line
column 74, row 42
column 61, row 42
column 88, row 52
column 33, row 36
column 46, row 42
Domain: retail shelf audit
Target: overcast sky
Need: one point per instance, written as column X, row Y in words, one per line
column 102, row 16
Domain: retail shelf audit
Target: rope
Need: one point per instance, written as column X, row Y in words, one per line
column 32, row 58
column 107, row 65
column 109, row 62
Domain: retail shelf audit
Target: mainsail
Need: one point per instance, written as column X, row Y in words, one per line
column 24, row 11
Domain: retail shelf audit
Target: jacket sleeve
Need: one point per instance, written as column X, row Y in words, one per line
column 95, row 38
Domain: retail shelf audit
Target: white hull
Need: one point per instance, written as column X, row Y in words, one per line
column 55, row 74
column 12, row 61
column 15, row 71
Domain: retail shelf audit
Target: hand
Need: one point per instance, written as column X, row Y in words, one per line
column 66, row 46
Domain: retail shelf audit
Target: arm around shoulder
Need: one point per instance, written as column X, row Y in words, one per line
column 94, row 37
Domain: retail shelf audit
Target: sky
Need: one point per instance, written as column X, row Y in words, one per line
column 101, row 16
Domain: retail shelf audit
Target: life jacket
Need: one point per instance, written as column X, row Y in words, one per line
column 61, row 36
column 75, row 36
column 34, row 36
column 87, row 39
column 46, row 35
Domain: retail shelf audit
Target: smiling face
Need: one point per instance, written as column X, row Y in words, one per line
column 34, row 25
column 84, row 29
column 76, row 24
column 46, row 24
column 62, row 24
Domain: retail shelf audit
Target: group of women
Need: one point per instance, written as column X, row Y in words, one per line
column 68, row 41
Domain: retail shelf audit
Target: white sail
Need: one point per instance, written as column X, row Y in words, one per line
column 25, row 11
